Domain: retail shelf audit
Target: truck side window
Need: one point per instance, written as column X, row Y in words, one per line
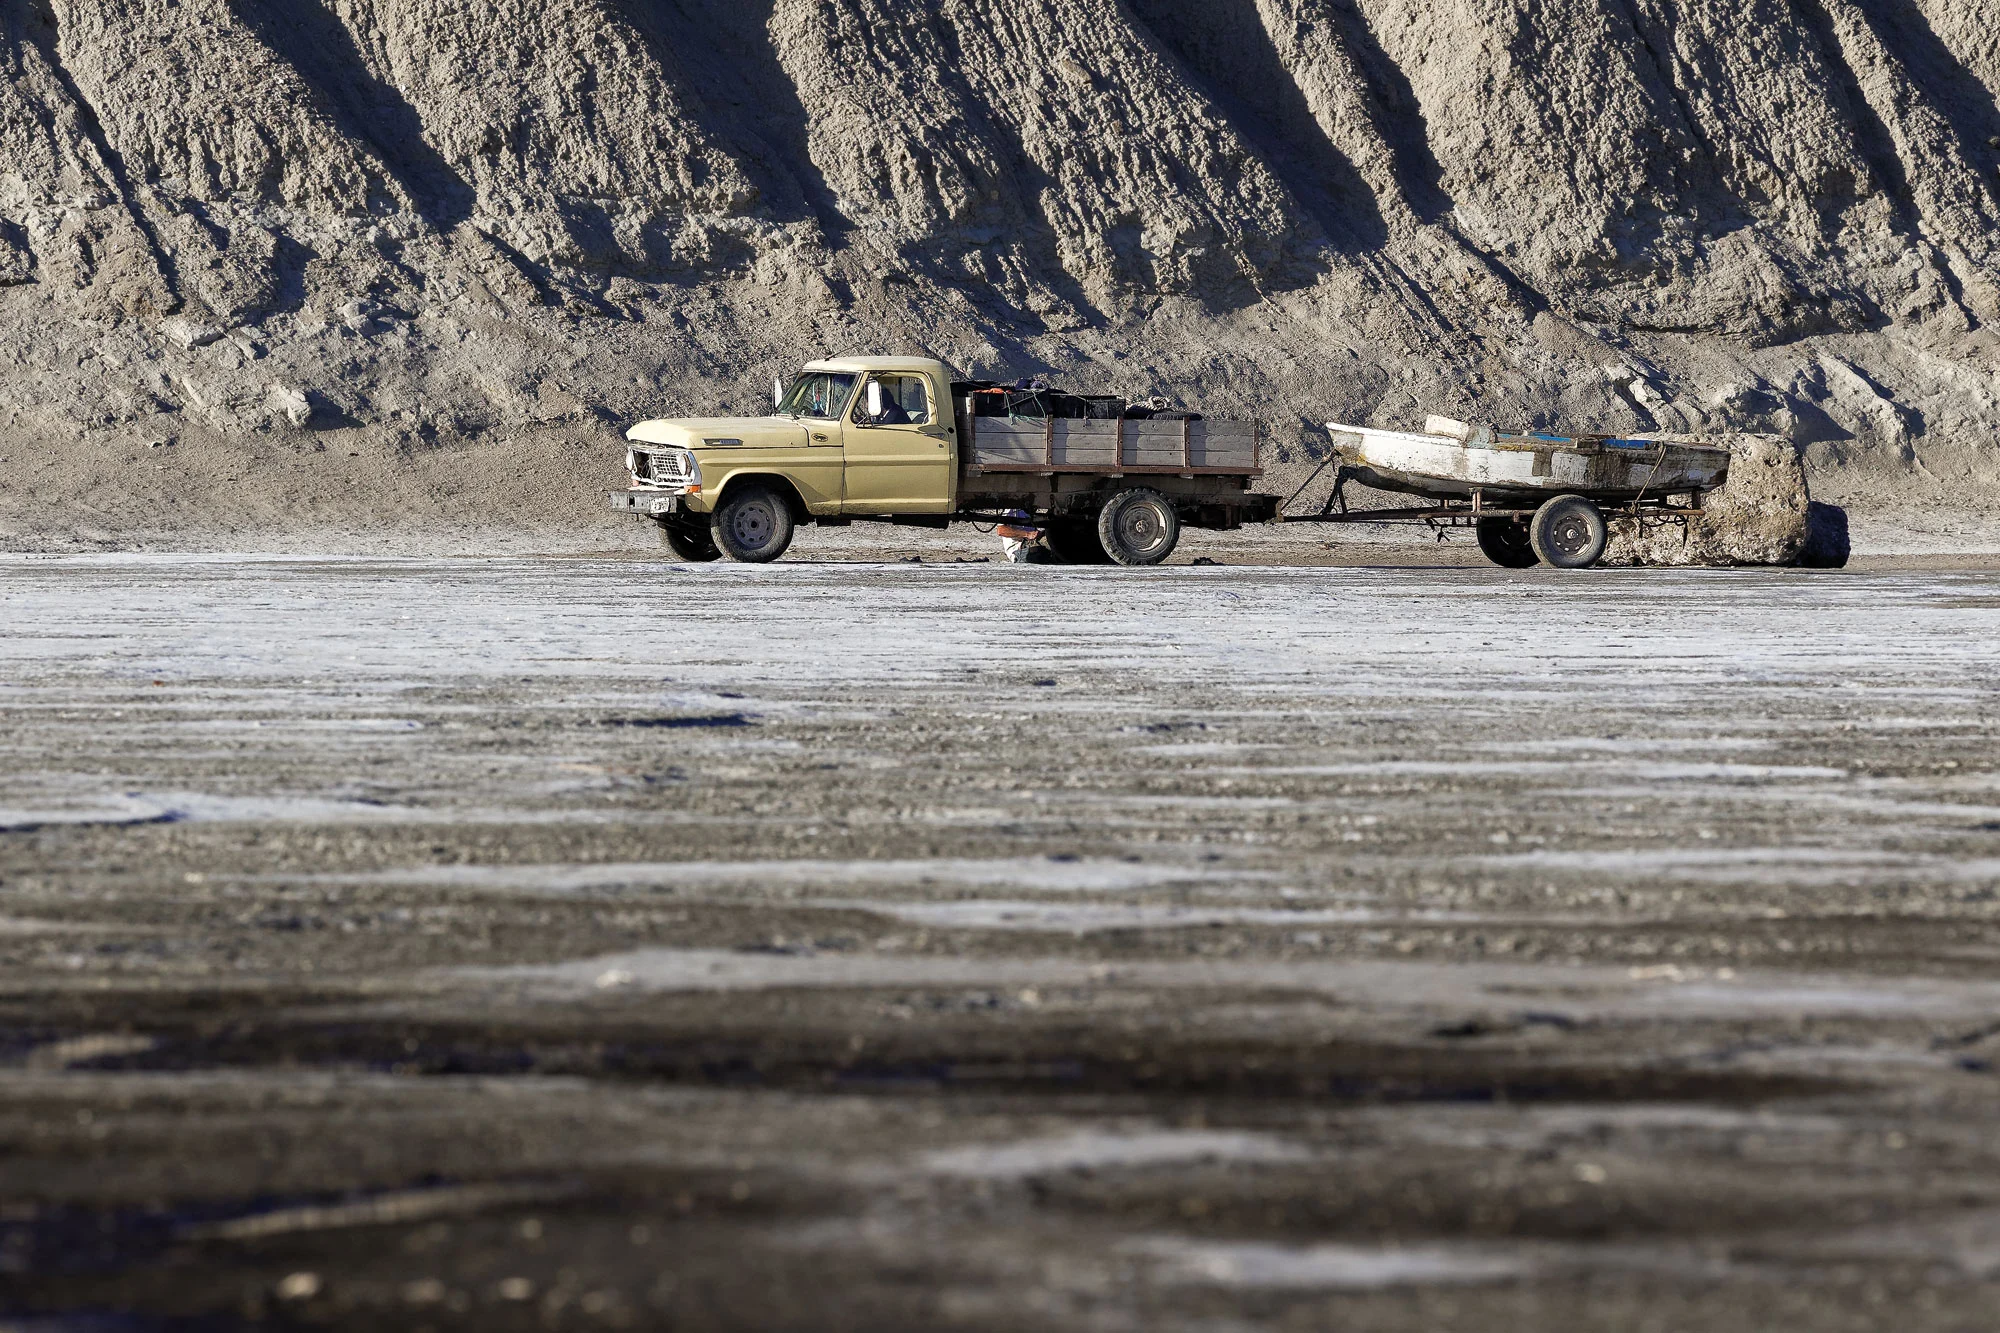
column 904, row 402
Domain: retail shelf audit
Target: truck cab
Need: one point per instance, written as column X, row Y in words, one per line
column 822, row 443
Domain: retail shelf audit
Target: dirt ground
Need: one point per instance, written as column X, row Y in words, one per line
column 604, row 943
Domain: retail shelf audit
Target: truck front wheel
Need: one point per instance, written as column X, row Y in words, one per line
column 1139, row 527
column 753, row 525
column 690, row 539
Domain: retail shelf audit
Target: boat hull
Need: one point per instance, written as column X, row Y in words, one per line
column 1527, row 467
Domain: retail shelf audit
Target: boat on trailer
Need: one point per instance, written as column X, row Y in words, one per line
column 1532, row 499
column 1450, row 460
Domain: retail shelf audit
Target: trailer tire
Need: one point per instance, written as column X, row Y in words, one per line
column 1569, row 532
column 1074, row 542
column 690, row 539
column 1139, row 527
column 753, row 525
column 1506, row 542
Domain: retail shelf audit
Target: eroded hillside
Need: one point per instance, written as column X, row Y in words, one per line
column 345, row 261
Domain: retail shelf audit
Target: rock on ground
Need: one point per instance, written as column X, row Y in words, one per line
column 1762, row 515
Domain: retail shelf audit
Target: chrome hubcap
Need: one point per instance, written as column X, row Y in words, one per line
column 1142, row 527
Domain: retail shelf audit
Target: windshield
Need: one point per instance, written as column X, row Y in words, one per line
column 817, row 393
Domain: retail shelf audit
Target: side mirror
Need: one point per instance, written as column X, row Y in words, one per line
column 777, row 392
column 875, row 399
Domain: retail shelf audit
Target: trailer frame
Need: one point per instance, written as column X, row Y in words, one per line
column 1445, row 514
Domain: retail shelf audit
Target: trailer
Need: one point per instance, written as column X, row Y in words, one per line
column 1530, row 499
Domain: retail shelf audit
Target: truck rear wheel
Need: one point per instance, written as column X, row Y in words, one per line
column 690, row 539
column 753, row 524
column 1139, row 527
column 1506, row 543
column 1569, row 533
column 1074, row 542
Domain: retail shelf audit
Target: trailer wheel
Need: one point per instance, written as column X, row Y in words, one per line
column 690, row 539
column 1506, row 543
column 1074, row 542
column 1139, row 527
column 753, row 525
column 1569, row 533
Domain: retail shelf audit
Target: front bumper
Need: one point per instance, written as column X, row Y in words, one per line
column 646, row 504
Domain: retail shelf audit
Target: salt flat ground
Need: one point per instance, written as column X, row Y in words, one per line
column 608, row 943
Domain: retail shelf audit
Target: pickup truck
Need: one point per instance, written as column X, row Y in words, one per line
column 901, row 440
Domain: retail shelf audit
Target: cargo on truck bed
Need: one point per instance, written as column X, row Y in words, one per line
column 1124, row 439
column 900, row 440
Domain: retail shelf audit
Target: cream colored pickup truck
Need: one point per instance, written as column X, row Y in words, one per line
column 900, row 440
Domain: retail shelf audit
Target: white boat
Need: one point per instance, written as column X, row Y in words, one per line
column 1451, row 460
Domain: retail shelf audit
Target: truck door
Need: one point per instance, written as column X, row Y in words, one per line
column 899, row 459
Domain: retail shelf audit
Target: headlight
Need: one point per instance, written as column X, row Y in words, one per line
column 632, row 461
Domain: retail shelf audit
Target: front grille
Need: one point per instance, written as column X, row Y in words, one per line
column 664, row 469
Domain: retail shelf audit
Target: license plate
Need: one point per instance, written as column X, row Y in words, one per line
column 653, row 505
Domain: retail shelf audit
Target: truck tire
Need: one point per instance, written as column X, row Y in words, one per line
column 1506, row 543
column 1569, row 533
column 690, row 539
column 1074, row 542
column 753, row 525
column 1139, row 527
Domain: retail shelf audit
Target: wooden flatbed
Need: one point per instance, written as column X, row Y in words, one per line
column 1057, row 466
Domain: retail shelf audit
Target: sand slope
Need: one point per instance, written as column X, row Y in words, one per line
column 461, row 244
